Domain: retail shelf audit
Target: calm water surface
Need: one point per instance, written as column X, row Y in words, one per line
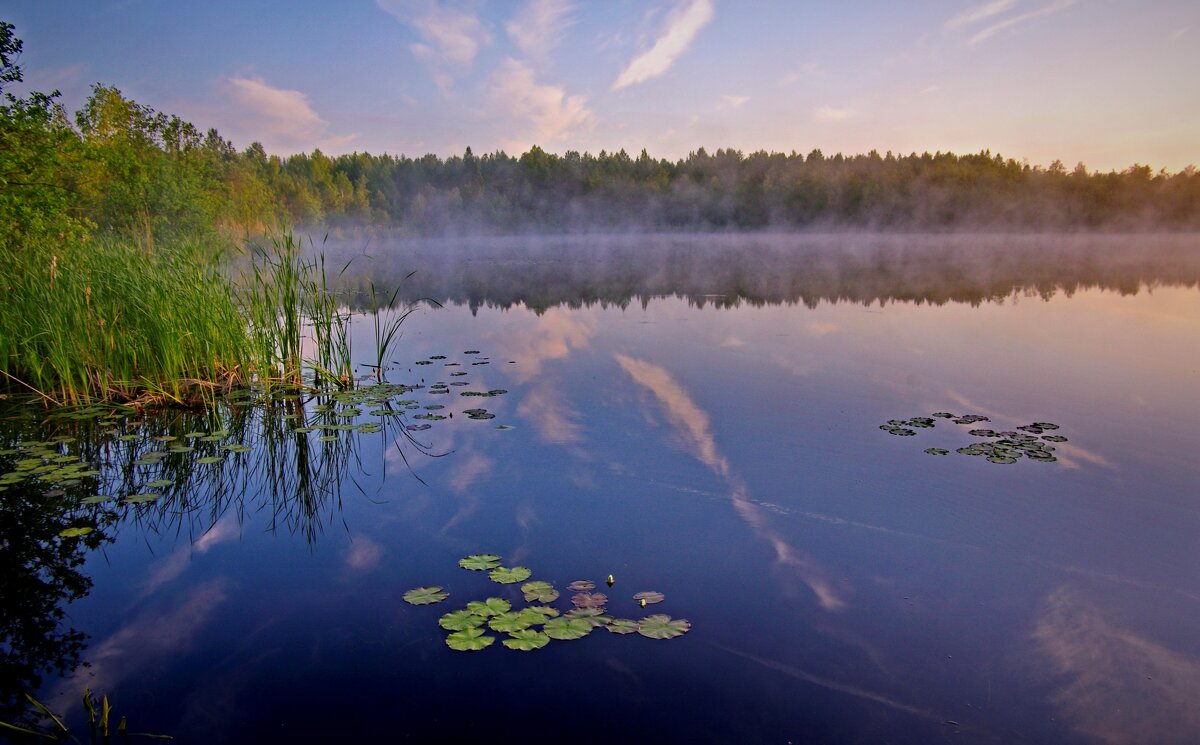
column 703, row 426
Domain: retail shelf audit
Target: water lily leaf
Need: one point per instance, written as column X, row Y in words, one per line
column 651, row 597
column 937, row 451
column 238, row 448
column 661, row 626
column 141, row 498
column 74, row 532
column 457, row 620
column 425, row 595
column 160, row 483
column 982, row 433
column 526, row 640
column 1046, row 425
column 418, row 427
column 542, row 592
column 534, row 616
column 567, row 628
column 509, row 622
column 480, row 562
column 622, row 626
column 581, row 585
column 943, row 415
column 504, row 427
column 469, row 640
column 471, row 351
column 923, row 422
column 1001, row 459
column 594, row 616
column 489, row 607
column 1054, row 438
column 96, row 499
column 458, row 373
column 509, row 576
column 589, row 600
column 545, row 611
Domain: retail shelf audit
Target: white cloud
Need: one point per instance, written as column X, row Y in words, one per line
column 681, row 28
column 539, row 26
column 280, row 118
column 732, row 102
column 1011, row 21
column 828, row 114
column 551, row 113
column 450, row 37
column 978, row 13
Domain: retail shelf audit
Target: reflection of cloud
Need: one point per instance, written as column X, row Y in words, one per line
column 832, row 685
column 821, row 328
column 681, row 28
column 364, row 554
column 551, row 415
column 732, row 341
column 692, row 426
column 554, row 335
column 1066, row 452
column 1122, row 688
column 470, row 470
column 151, row 639
column 174, row 564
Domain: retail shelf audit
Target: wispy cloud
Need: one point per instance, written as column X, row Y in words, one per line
column 978, row 13
column 283, row 119
column 827, row 114
column 732, row 102
column 548, row 110
column 989, row 11
column 539, row 26
column 682, row 25
column 450, row 37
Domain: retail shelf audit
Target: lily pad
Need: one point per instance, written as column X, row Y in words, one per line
column 96, row 499
column 535, row 617
column 651, row 597
column 539, row 591
column 74, row 532
column 1046, row 425
column 943, row 415
column 594, row 616
column 458, row 620
column 1003, row 460
column 661, row 626
column 480, row 562
column 937, row 451
column 567, row 628
column 142, row 498
column 589, row 600
column 622, row 626
column 418, row 427
column 1054, row 438
column 509, row 575
column 160, row 483
column 581, row 585
column 469, row 640
column 489, row 607
column 425, row 595
column 509, row 622
column 526, row 640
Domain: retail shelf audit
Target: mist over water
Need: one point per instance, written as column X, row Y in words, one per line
column 726, row 269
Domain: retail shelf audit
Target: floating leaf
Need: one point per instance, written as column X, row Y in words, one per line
column 1046, row 425
column 542, row 592
column 469, row 640
column 480, row 562
column 418, row 427
column 1001, row 459
column 96, row 499
column 622, row 626
column 535, row 616
column 594, row 616
column 943, row 415
column 937, row 451
column 581, row 585
column 425, row 595
column 489, row 607
column 526, row 640
column 589, row 600
column 74, row 532
column 651, row 597
column 509, row 622
column 140, row 498
column 509, row 576
column 1054, row 438
column 504, row 427
column 567, row 628
column 160, row 483
column 661, row 626
column 457, row 620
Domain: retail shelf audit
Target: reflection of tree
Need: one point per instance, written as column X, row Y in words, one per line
column 40, row 573
column 731, row 270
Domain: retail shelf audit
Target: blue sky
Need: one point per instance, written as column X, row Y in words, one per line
column 1106, row 82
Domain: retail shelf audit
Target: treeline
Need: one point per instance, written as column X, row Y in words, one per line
column 123, row 168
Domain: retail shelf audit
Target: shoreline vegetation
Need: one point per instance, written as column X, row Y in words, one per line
column 119, row 227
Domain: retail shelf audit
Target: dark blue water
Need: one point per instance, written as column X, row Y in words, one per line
column 724, row 449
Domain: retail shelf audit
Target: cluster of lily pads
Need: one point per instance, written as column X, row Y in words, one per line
column 442, row 388
column 533, row 626
column 1029, row 441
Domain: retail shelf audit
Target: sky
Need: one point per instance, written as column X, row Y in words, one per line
column 1108, row 83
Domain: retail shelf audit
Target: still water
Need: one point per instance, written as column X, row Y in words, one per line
column 697, row 417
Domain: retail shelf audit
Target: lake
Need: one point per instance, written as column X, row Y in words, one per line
column 738, row 423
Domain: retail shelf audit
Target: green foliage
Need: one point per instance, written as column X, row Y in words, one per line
column 425, row 595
